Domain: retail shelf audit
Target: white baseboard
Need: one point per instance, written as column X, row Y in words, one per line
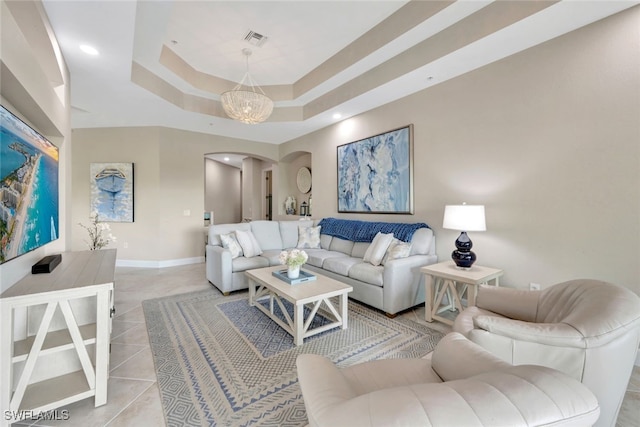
column 158, row 264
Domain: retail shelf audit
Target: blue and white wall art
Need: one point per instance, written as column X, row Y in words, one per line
column 28, row 188
column 375, row 174
column 112, row 191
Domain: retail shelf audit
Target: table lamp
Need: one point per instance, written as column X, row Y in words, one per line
column 464, row 218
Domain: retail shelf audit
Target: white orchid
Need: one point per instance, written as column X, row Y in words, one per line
column 96, row 230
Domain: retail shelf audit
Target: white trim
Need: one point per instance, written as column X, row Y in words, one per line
column 158, row 264
column 638, row 358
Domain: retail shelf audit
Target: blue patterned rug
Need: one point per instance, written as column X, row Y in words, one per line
column 220, row 362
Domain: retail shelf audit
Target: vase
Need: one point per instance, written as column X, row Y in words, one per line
column 293, row 271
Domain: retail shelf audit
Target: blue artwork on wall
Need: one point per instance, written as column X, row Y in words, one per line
column 375, row 174
column 112, row 191
column 28, row 188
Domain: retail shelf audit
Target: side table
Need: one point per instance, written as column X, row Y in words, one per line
column 445, row 278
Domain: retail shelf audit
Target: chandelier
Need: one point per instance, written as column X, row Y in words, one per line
column 247, row 102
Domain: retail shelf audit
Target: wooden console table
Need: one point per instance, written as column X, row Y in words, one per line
column 445, row 278
column 43, row 318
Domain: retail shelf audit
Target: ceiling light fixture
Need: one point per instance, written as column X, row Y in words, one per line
column 247, row 102
column 89, row 50
column 337, row 115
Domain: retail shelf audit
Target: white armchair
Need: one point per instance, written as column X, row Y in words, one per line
column 587, row 329
column 460, row 385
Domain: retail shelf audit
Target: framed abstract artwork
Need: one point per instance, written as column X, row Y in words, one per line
column 375, row 175
column 112, row 191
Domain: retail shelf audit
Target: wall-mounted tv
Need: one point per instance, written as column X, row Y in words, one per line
column 28, row 188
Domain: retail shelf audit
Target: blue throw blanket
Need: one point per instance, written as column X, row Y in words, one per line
column 365, row 231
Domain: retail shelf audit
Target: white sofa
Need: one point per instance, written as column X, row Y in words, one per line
column 461, row 384
column 392, row 287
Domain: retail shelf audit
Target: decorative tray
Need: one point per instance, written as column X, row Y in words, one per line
column 302, row 278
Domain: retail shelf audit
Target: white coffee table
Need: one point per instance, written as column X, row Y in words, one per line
column 262, row 285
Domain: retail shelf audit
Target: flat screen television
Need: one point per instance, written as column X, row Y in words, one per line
column 28, row 188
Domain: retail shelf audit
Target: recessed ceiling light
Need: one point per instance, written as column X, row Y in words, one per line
column 337, row 115
column 226, row 159
column 89, row 50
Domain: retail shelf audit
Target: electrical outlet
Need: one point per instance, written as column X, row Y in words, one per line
column 534, row 286
column 125, row 245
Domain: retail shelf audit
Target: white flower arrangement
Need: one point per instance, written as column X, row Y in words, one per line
column 293, row 258
column 96, row 230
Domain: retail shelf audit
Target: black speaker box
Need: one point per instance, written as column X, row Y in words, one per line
column 46, row 264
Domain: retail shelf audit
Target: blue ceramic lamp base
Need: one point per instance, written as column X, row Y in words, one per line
column 463, row 256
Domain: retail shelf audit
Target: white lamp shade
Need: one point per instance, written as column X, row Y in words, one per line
column 464, row 218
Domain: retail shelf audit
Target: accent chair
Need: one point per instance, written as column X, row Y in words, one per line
column 587, row 329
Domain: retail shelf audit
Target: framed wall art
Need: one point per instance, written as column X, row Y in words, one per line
column 375, row 175
column 112, row 191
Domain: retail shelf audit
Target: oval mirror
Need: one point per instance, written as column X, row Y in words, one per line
column 304, row 180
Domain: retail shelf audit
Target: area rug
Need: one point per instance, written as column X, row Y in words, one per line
column 221, row 362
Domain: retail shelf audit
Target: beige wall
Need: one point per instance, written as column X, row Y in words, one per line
column 548, row 140
column 169, row 182
column 34, row 85
column 252, row 189
column 223, row 192
column 289, row 166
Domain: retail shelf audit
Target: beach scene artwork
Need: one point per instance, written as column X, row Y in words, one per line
column 28, row 188
column 374, row 174
column 112, row 191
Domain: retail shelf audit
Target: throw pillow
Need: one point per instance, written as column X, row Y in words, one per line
column 397, row 249
column 230, row 242
column 250, row 245
column 378, row 247
column 309, row 237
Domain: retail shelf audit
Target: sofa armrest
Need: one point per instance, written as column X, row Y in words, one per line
column 554, row 334
column 219, row 266
column 402, row 282
column 509, row 302
column 516, row 396
column 323, row 385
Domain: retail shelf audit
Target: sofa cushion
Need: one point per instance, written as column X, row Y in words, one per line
column 244, row 263
column 267, row 233
column 365, row 272
column 250, row 245
column 230, row 242
column 378, row 248
column 325, row 241
column 396, row 250
column 317, row 257
column 359, row 249
column 341, row 245
column 216, row 230
column 289, row 232
column 272, row 255
column 340, row 265
column 422, row 241
column 308, row 237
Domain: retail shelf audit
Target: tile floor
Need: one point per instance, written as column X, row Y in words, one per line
column 133, row 397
